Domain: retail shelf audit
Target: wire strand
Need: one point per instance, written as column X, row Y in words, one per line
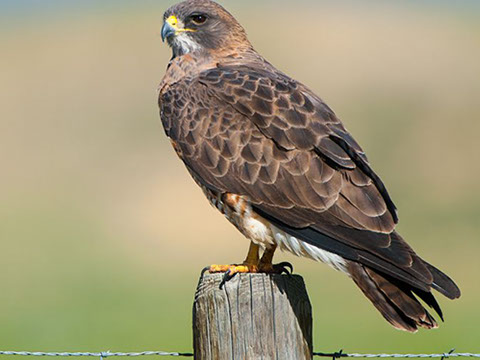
column 340, row 354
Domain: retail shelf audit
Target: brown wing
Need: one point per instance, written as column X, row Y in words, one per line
column 295, row 119
column 262, row 135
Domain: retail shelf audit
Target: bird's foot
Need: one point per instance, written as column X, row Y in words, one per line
column 230, row 271
column 282, row 268
column 242, row 269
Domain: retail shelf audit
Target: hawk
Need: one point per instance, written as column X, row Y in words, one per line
column 280, row 165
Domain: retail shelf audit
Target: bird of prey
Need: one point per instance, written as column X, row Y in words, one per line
column 280, row 165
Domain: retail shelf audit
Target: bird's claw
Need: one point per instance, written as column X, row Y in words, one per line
column 277, row 269
column 205, row 269
column 229, row 275
column 283, row 268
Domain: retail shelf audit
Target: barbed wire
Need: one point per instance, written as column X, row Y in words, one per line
column 335, row 355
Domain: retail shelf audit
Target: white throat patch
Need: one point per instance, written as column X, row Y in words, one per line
column 185, row 43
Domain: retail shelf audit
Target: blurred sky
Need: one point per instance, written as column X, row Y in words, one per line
column 102, row 231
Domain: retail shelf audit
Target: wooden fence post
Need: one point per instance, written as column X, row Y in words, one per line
column 254, row 316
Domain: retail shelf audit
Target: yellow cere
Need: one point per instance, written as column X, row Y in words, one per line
column 173, row 22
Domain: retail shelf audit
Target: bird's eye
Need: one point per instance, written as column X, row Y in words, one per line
column 199, row 19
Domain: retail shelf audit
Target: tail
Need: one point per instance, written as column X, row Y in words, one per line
column 398, row 301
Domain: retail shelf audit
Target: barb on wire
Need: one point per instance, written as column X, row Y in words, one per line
column 449, row 353
column 335, row 356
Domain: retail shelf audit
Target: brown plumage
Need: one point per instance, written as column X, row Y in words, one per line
column 242, row 127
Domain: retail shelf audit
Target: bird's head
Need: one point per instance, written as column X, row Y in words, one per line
column 201, row 26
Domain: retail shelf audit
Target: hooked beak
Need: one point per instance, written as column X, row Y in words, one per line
column 171, row 28
column 168, row 31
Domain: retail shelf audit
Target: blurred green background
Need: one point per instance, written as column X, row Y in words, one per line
column 102, row 232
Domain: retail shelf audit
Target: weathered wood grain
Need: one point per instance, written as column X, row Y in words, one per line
column 255, row 316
